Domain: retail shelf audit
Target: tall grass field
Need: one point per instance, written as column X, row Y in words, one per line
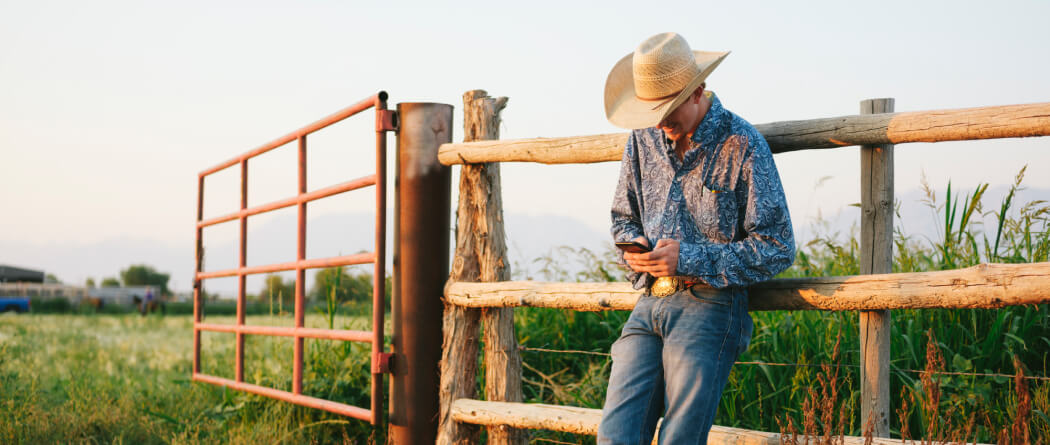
column 122, row 378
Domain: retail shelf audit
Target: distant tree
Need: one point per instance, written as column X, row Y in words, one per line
column 276, row 287
column 89, row 283
column 51, row 278
column 208, row 296
column 110, row 282
column 145, row 275
column 346, row 286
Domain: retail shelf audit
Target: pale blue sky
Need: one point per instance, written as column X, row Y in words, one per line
column 108, row 109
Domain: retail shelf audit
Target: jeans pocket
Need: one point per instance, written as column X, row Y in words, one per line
column 708, row 295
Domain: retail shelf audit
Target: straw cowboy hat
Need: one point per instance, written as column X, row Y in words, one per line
column 646, row 85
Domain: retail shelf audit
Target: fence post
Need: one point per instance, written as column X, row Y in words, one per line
column 480, row 256
column 876, row 256
column 502, row 357
column 421, row 227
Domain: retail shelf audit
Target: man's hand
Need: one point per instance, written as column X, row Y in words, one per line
column 660, row 262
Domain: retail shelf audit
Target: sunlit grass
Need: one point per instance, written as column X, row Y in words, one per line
column 126, row 379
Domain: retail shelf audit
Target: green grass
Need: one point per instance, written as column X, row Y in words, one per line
column 126, row 379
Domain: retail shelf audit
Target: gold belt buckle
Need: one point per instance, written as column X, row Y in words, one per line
column 665, row 286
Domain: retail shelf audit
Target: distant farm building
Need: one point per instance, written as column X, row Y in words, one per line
column 43, row 291
column 76, row 294
column 19, row 282
column 27, row 283
column 12, row 274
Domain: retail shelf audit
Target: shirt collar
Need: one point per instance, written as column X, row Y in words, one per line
column 710, row 132
column 713, row 126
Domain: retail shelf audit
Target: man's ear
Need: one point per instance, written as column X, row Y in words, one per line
column 699, row 92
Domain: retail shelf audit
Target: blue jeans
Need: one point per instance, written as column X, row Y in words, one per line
column 675, row 353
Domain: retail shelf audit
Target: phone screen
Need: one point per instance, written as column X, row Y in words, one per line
column 633, row 247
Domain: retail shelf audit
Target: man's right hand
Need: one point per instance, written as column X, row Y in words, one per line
column 659, row 262
column 630, row 258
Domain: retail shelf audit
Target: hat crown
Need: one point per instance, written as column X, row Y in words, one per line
column 663, row 65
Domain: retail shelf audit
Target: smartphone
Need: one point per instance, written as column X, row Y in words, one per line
column 633, row 247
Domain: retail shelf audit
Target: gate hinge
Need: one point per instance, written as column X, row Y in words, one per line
column 381, row 362
column 386, row 120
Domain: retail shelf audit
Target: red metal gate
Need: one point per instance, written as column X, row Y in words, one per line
column 385, row 120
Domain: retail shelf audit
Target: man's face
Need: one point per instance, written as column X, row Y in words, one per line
column 683, row 120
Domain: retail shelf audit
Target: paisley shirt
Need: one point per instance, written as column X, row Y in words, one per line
column 723, row 202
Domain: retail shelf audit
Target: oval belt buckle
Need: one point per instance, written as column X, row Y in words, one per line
column 664, row 286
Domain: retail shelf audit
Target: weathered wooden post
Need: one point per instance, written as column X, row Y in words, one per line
column 876, row 256
column 422, row 202
column 502, row 357
column 480, row 256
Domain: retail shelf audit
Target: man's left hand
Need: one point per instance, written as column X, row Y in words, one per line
column 662, row 261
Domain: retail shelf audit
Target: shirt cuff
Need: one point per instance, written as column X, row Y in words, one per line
column 628, row 233
column 693, row 260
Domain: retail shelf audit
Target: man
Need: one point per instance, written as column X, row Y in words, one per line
column 699, row 184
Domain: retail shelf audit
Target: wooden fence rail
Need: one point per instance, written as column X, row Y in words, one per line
column 1008, row 121
column 575, row 420
column 986, row 286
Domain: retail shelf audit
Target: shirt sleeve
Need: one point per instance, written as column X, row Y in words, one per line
column 768, row 245
column 626, row 207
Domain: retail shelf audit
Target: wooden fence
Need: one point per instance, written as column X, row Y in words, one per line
column 478, row 293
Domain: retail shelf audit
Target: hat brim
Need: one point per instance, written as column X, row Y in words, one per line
column 624, row 109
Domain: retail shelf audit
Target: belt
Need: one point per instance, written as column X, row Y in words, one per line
column 665, row 286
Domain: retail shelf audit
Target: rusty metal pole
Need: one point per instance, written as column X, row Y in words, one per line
column 422, row 245
column 243, row 262
column 300, row 275
column 198, row 297
column 379, row 268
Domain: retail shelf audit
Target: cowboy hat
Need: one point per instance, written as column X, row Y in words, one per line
column 646, row 85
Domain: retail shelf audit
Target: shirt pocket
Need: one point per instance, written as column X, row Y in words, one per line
column 713, row 205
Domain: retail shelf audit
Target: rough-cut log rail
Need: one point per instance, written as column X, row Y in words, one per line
column 571, row 419
column 984, row 286
column 1007, row 121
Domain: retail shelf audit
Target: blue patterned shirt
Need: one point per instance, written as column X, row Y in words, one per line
column 723, row 202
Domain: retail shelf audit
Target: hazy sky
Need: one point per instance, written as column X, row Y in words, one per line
column 109, row 109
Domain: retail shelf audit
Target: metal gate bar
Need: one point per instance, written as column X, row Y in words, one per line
column 386, row 120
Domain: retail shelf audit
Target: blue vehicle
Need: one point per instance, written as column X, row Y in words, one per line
column 14, row 304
